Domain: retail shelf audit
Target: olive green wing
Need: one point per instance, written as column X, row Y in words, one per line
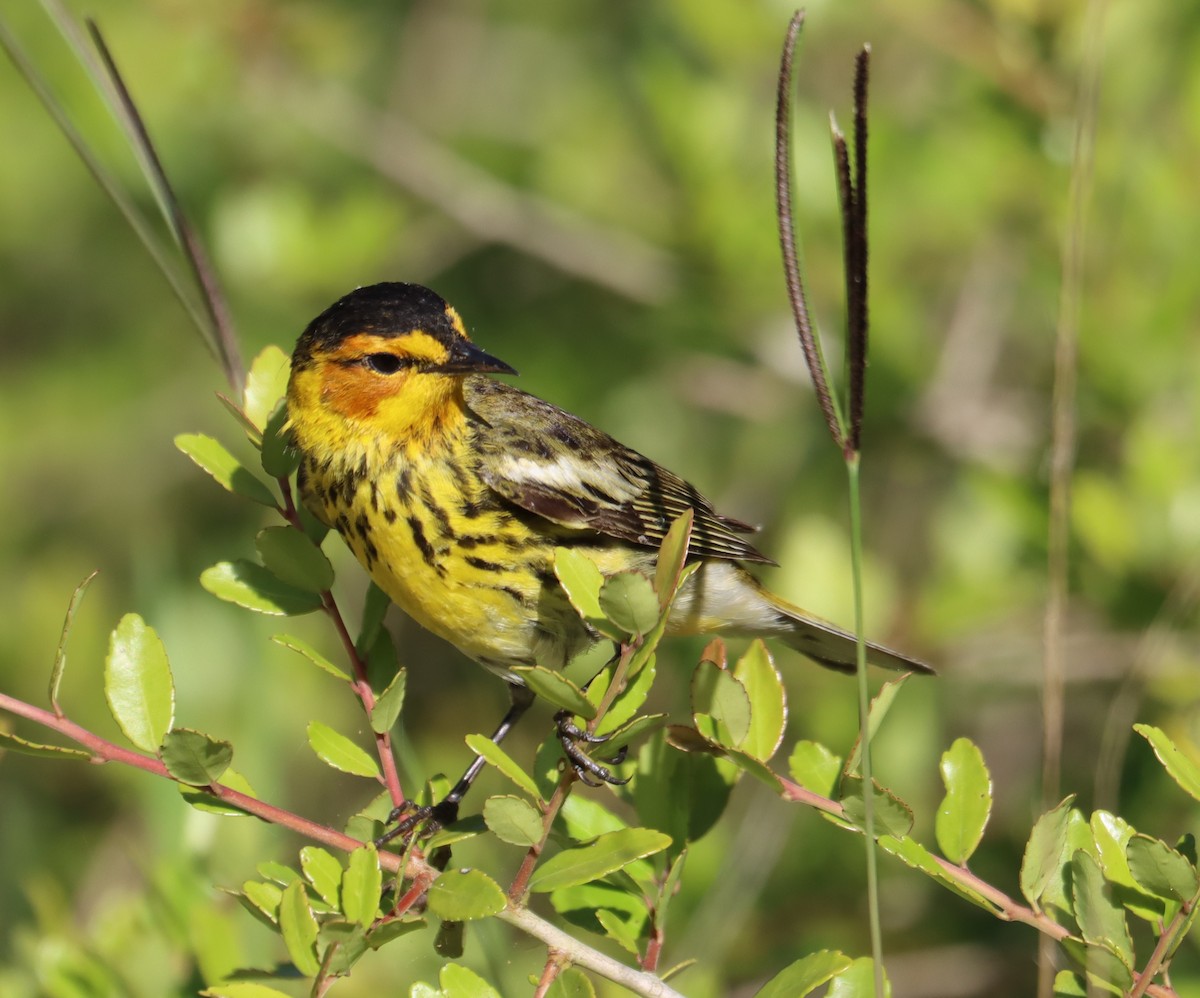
column 555, row 465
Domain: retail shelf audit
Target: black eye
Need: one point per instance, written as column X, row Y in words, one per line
column 383, row 363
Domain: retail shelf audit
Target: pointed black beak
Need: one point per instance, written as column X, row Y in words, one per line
column 466, row 358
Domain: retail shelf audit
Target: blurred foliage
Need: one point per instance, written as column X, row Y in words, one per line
column 591, row 186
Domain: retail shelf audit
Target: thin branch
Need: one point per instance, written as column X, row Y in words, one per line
column 216, row 308
column 809, row 343
column 417, row 869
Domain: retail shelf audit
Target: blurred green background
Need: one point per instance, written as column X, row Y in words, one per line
column 591, row 185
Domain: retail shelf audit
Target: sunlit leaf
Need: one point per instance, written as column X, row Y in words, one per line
column 228, row 472
column 581, row 581
column 513, row 820
column 628, row 599
column 1112, row 834
column 1182, row 769
column 628, row 702
column 815, row 768
column 768, row 703
column 324, row 872
column 1101, row 920
column 718, row 696
column 607, row 853
column 16, row 743
column 964, row 811
column 672, row 553
column 571, row 983
column 802, row 977
column 299, row 929
column 251, row 585
column 201, row 800
column 465, row 895
column 138, row 684
column 496, row 756
column 1044, row 853
column 389, row 703
column 243, row 989
column 340, row 752
column 881, row 703
column 361, row 886
column 266, row 383
column 309, row 652
column 920, row 858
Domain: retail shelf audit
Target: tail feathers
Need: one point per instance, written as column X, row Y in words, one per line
column 835, row 649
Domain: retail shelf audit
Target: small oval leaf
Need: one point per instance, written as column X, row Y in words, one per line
column 506, row 764
column 965, row 809
column 298, row 927
column 138, row 683
column 310, row 653
column 293, row 558
column 806, row 974
column 254, row 587
column 228, row 472
column 1182, row 769
column 361, row 885
column 324, row 872
column 582, row 580
column 266, row 384
column 388, row 703
column 1044, row 853
column 607, row 853
column 756, row 671
column 194, row 758
column 465, row 895
column 513, row 820
column 628, row 599
column 556, row 688
column 1161, row 870
column 340, row 752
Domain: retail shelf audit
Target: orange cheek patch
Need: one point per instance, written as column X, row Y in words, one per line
column 356, row 392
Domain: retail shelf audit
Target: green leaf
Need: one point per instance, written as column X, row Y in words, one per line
column 293, row 558
column 310, row 653
column 768, row 703
column 1112, row 835
column 1101, row 920
column 1044, row 853
column 496, row 756
column 581, row 581
column 279, row 457
column 227, row 470
column 278, row 873
column 671, row 557
column 717, row 696
column 556, row 688
column 1069, row 985
column 624, row 932
column 1160, row 870
column 18, row 744
column 254, row 587
column 571, row 983
column 386, row 932
column 203, row 801
column 242, row 989
column 585, row 666
column 266, row 384
column 324, row 872
column 388, row 703
column 815, row 768
column 60, row 656
column 465, row 895
column 965, row 809
column 880, row 705
column 344, row 945
column 361, row 885
column 194, row 758
column 513, row 820
column 264, row 897
column 858, row 981
column 340, row 752
column 802, row 977
column 892, row 815
column 920, row 858
column 299, row 929
column 459, row 982
column 628, row 702
column 138, row 684
column 1182, row 770
column 666, row 891
column 628, row 599
column 606, row 854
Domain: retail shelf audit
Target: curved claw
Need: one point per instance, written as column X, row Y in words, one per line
column 408, row 816
column 569, row 736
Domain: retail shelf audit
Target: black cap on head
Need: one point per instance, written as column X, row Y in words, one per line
column 386, row 309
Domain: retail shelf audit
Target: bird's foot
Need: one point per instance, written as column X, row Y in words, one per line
column 409, row 816
column 571, row 736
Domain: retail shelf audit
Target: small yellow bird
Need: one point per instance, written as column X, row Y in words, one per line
column 453, row 490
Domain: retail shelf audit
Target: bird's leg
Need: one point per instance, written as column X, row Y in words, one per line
column 408, row 815
column 569, row 736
